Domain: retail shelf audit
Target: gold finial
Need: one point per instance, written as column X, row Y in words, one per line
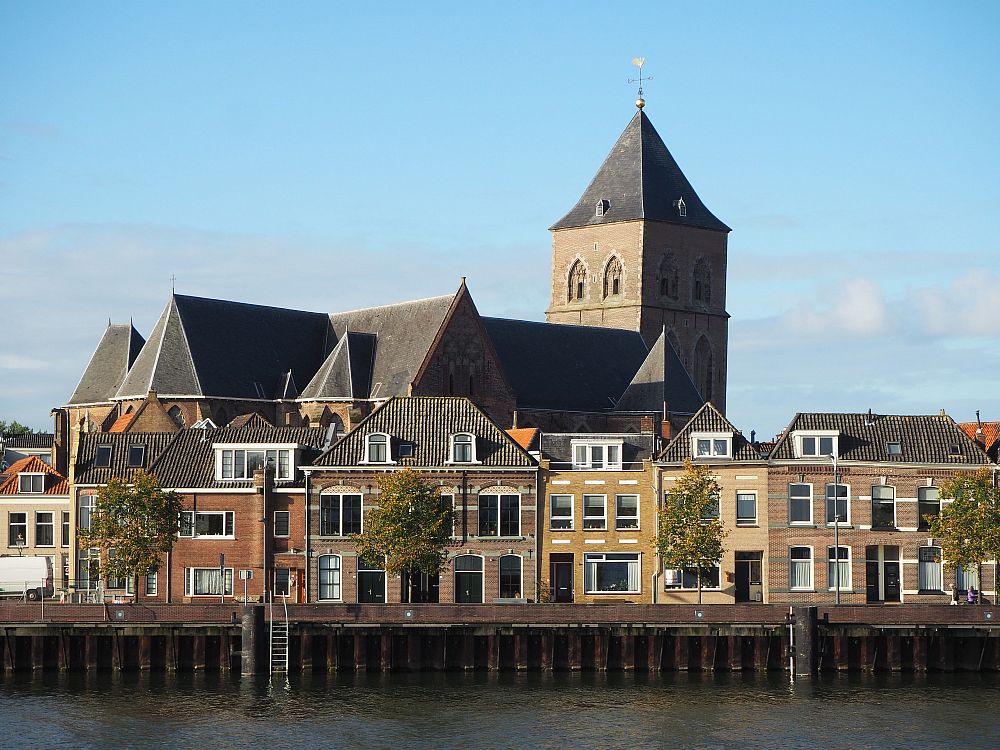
column 639, row 62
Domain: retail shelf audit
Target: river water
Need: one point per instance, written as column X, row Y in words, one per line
column 468, row 712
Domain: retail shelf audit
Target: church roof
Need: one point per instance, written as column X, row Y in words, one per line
column 208, row 347
column 347, row 372
column 117, row 350
column 639, row 179
column 566, row 367
column 661, row 378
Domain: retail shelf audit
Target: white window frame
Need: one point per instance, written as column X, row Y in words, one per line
column 340, row 512
column 454, row 442
column 369, row 442
column 285, row 460
column 894, row 504
column 673, row 579
column 939, row 572
column 812, row 567
column 338, row 586
column 713, row 449
column 585, row 461
column 800, row 436
column 596, row 558
column 288, row 523
column 638, row 512
column 33, row 477
column 812, row 500
column 603, row 518
column 845, row 563
column 228, row 519
column 744, row 521
column 150, row 578
column 826, row 503
column 922, row 491
column 12, row 538
column 572, row 513
column 51, row 523
column 227, row 582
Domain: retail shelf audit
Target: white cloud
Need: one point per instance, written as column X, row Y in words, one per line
column 968, row 305
column 855, row 308
column 20, row 362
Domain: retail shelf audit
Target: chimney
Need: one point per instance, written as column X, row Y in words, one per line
column 665, row 429
column 753, row 437
column 646, row 423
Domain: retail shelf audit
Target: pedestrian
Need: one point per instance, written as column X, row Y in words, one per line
column 971, row 597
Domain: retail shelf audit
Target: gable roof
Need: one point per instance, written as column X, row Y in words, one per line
column 427, row 423
column 208, row 347
column 249, row 420
column 566, row 367
column 661, row 379
column 640, row 180
column 36, row 440
column 347, row 371
column 87, row 473
column 923, row 438
column 55, row 483
column 115, row 354
column 189, row 461
column 526, row 437
column 990, row 435
column 708, row 419
column 558, row 447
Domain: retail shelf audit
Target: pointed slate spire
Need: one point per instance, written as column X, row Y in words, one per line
column 347, row 372
column 640, row 180
column 661, row 379
column 165, row 364
column 108, row 366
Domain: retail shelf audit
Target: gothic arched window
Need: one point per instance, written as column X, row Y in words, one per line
column 613, row 278
column 704, row 368
column 174, row 412
column 577, row 281
column 669, row 280
column 701, row 287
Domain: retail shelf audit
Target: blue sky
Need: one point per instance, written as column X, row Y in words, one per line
column 328, row 157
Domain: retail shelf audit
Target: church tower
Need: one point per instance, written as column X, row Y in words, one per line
column 641, row 251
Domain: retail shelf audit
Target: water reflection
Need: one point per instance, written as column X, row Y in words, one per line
column 692, row 710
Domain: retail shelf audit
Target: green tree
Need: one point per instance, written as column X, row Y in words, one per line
column 410, row 528
column 14, row 428
column 968, row 528
column 690, row 534
column 133, row 524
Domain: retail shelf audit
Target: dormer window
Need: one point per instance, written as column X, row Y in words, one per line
column 102, row 459
column 816, row 444
column 681, row 206
column 31, row 483
column 377, row 448
column 405, row 450
column 463, row 448
column 136, row 455
column 712, row 444
column 242, row 462
column 597, row 455
column 893, row 448
column 602, row 207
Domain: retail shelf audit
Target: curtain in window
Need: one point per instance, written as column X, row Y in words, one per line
column 589, row 576
column 633, row 575
column 801, row 574
column 929, row 574
column 207, row 581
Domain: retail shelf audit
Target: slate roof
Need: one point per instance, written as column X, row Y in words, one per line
column 189, row 461
column 661, row 378
column 922, row 438
column 208, row 347
column 115, row 354
column 640, row 180
column 347, row 372
column 566, row 367
column 557, row 446
column 426, row 423
column 87, row 473
column 55, row 483
column 708, row 419
column 37, row 440
column 403, row 334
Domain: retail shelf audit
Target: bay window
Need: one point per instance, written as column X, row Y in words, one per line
column 611, row 573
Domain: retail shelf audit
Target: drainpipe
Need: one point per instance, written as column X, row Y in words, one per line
column 307, row 542
column 657, row 487
column 465, row 508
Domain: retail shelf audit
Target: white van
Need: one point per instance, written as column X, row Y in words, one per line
column 25, row 577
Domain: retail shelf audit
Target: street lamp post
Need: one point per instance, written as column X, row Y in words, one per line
column 836, row 532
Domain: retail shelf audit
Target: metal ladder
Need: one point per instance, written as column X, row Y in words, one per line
column 279, row 637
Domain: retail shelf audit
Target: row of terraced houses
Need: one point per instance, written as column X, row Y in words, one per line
column 539, row 516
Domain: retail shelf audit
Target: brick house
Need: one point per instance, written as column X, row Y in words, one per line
column 598, row 516
column 709, row 438
column 888, row 473
column 492, row 483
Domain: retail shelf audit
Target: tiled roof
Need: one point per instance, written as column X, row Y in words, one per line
column 526, row 437
column 708, row 419
column 87, row 473
column 640, row 180
column 189, row 461
column 426, row 423
column 38, row 440
column 558, row 448
column 121, row 424
column 929, row 439
column 115, row 354
column 662, row 379
column 575, row 368
column 55, row 483
column 990, row 435
column 251, row 419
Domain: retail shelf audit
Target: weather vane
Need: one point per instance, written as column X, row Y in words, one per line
column 639, row 62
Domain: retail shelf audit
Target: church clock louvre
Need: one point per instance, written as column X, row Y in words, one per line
column 640, row 251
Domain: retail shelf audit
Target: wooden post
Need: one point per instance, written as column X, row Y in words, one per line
column 681, row 655
column 521, row 651
column 92, row 644
column 868, row 653
column 360, row 651
column 601, row 651
column 893, row 655
column 708, row 645
column 468, row 651
column 493, row 648
column 386, row 651
column 548, row 649
column 654, row 652
column 573, row 637
column 198, row 652
column 253, row 657
column 841, row 653
column 628, row 651
column 735, row 643
column 332, row 652
column 920, row 653
column 761, row 647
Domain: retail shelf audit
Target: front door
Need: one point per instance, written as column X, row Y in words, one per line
column 562, row 578
column 882, row 582
column 892, row 581
column 420, row 588
column 749, row 585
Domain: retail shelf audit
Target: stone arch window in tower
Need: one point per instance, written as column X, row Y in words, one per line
column 701, row 283
column 613, row 278
column 704, row 368
column 577, row 281
column 669, row 278
column 175, row 413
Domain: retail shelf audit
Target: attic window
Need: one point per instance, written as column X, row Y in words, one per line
column 955, row 451
column 136, row 455
column 102, row 460
column 463, row 448
column 602, row 207
column 33, row 483
column 377, row 448
column 712, row 444
column 406, row 450
column 894, row 449
column 681, row 206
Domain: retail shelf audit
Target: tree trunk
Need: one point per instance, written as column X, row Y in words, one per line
column 699, row 587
